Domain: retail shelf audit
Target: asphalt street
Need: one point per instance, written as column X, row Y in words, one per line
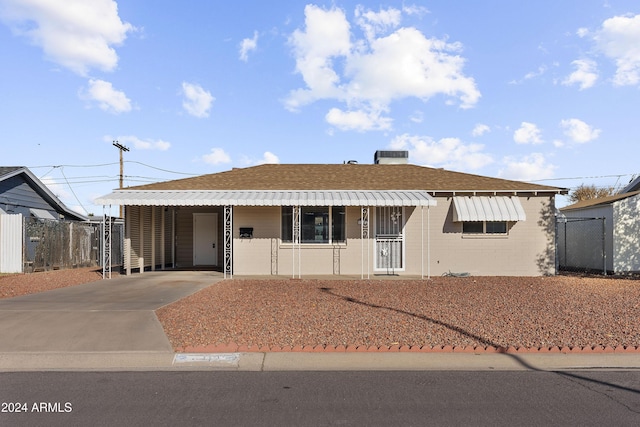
column 524, row 398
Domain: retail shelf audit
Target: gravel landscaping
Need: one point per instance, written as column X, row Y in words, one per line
column 14, row 285
column 529, row 312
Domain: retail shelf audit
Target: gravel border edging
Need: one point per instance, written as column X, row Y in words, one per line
column 234, row 348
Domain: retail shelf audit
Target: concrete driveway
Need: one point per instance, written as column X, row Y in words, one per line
column 107, row 315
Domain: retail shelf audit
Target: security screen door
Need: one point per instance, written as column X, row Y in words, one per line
column 389, row 245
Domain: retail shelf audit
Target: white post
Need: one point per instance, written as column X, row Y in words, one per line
column 296, row 241
column 141, row 242
column 162, row 238
column 422, row 242
column 153, row 238
column 173, row 238
column 428, row 241
column 364, row 239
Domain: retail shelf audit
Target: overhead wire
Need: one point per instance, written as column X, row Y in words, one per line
column 72, row 192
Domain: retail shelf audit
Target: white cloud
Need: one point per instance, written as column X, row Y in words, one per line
column 248, row 45
column 579, row 131
column 582, row 32
column 216, row 157
column 480, row 129
column 357, row 120
column 533, row 74
column 450, row 153
column 374, row 23
column 76, row 34
column 108, row 98
column 327, row 35
column 542, row 69
column 619, row 39
column 367, row 74
column 269, row 157
column 529, row 168
column 197, row 101
column 140, row 144
column 585, row 74
column 528, row 133
column 415, row 10
column 417, row 117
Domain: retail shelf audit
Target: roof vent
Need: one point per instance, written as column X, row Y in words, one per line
column 391, row 157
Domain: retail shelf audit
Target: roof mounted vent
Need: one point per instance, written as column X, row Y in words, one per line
column 391, row 157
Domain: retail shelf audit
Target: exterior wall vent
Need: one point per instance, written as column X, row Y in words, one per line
column 391, row 157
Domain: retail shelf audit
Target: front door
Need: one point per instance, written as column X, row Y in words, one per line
column 205, row 239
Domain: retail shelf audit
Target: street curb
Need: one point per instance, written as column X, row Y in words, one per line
column 313, row 361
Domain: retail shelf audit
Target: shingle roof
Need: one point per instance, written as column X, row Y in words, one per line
column 5, row 170
column 599, row 201
column 345, row 177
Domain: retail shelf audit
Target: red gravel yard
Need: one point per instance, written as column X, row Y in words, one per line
column 531, row 312
column 14, row 285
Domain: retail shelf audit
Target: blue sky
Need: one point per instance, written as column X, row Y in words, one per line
column 544, row 91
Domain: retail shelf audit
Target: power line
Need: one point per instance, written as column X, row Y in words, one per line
column 160, row 169
column 111, row 164
column 584, row 177
column 73, row 192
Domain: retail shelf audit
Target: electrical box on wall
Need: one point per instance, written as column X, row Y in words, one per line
column 246, row 232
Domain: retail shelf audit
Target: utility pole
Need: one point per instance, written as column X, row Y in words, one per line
column 121, row 148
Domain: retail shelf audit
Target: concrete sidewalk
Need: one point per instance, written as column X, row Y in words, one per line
column 298, row 361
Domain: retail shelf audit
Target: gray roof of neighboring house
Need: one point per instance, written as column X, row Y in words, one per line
column 7, row 172
column 633, row 185
column 599, row 201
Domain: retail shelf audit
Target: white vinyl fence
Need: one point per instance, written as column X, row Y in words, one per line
column 11, row 243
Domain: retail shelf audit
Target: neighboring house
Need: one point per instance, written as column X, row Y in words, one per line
column 618, row 224
column 22, row 192
column 633, row 185
column 350, row 219
column 23, row 195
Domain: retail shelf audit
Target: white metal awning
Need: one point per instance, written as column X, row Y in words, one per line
column 484, row 208
column 41, row 214
column 268, row 198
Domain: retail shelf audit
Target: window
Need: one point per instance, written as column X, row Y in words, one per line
column 318, row 224
column 484, row 227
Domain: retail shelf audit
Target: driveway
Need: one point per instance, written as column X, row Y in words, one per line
column 107, row 315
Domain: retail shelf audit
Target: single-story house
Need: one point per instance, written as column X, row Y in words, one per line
column 615, row 222
column 390, row 217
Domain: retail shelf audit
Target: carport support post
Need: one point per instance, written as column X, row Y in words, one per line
column 295, row 241
column 228, row 241
column 106, row 242
column 604, row 246
column 364, row 238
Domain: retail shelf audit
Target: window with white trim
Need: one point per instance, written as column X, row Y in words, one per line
column 318, row 224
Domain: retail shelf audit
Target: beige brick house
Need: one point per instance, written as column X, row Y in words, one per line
column 341, row 219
